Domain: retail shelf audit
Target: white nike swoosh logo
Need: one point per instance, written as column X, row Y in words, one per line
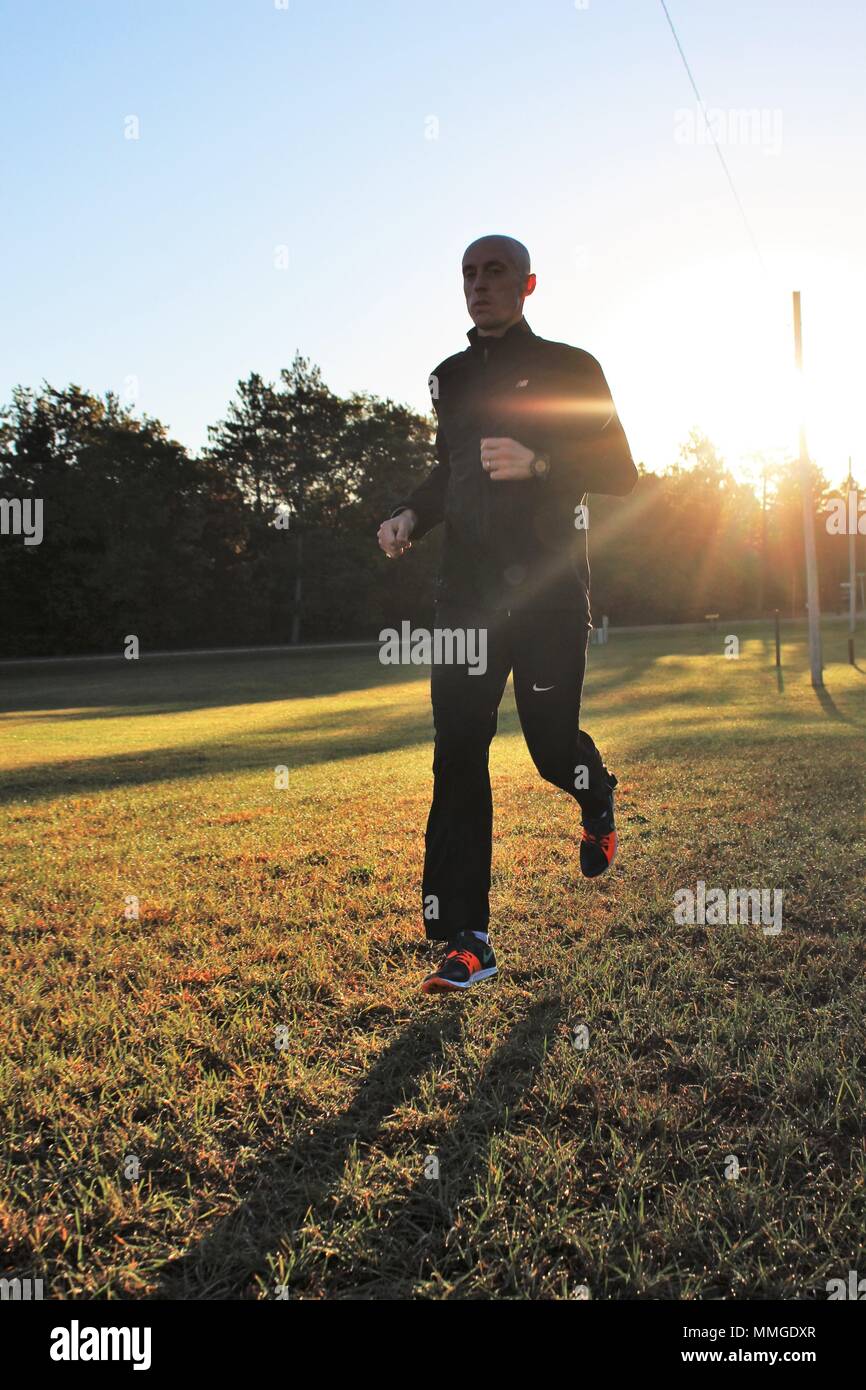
column 542, row 688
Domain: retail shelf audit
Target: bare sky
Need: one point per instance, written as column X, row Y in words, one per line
column 307, row 178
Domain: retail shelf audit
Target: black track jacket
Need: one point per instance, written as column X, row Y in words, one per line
column 522, row 543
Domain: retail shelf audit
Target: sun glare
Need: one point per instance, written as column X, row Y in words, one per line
column 725, row 334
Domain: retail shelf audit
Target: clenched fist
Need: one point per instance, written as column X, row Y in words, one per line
column 506, row 460
column 393, row 535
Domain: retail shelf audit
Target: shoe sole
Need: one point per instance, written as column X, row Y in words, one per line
column 435, row 984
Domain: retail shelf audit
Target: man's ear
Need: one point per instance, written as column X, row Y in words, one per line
column 530, row 283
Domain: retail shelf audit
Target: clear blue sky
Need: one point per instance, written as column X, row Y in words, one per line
column 305, row 127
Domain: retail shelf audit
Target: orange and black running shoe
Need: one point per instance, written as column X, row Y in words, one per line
column 598, row 841
column 468, row 960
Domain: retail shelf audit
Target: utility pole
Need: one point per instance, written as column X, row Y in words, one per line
column 852, row 567
column 762, row 582
column 815, row 659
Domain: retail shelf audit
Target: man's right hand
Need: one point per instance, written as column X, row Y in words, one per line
column 393, row 535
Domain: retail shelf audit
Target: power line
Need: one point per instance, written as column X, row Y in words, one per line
column 715, row 143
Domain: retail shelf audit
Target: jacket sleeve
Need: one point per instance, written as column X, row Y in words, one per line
column 428, row 499
column 583, row 435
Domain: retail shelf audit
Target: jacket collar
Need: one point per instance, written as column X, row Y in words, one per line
column 513, row 337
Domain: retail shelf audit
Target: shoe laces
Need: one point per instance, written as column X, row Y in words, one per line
column 603, row 840
column 464, row 956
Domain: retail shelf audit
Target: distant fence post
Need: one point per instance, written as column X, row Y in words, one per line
column 778, row 640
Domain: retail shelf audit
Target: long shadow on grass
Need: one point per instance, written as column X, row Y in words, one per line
column 222, row 1264
column 132, row 690
column 328, row 741
column 190, row 683
column 299, row 1184
column 45, row 781
column 829, row 706
column 350, row 733
column 331, row 735
column 128, row 689
column 413, row 1244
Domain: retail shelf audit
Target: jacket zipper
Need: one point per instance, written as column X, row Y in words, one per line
column 484, row 524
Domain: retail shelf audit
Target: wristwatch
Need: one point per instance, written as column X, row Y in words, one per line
column 539, row 465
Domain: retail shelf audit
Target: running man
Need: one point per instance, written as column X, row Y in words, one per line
column 526, row 429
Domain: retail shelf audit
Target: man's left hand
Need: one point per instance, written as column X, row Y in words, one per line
column 506, row 460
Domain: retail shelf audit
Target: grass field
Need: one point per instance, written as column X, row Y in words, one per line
column 253, row 1045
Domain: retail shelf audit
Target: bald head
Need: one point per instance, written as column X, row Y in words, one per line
column 496, row 280
column 508, row 247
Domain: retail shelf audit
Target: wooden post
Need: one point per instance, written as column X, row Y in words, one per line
column 852, row 566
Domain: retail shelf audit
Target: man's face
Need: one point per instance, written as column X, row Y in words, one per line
column 494, row 287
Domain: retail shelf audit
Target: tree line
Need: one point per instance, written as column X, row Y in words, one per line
column 268, row 535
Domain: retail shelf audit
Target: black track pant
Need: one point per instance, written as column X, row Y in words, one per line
column 547, row 653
